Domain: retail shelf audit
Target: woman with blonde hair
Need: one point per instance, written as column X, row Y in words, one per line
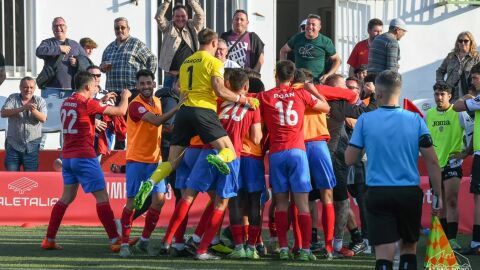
column 457, row 65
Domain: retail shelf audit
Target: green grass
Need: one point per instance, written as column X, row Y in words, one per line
column 87, row 248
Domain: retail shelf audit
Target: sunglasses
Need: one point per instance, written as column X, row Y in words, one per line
column 120, row 28
column 466, row 41
column 352, row 87
column 96, row 75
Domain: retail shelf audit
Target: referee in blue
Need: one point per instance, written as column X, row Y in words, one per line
column 392, row 138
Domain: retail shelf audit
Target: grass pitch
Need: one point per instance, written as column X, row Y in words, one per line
column 87, row 248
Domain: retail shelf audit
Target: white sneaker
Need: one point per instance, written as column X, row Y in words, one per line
column 206, row 257
column 125, row 251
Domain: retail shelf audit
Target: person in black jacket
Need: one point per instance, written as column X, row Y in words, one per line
column 245, row 48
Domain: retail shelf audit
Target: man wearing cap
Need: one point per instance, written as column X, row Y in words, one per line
column 384, row 51
column 312, row 50
column 359, row 55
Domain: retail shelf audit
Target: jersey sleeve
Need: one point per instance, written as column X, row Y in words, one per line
column 423, row 130
column 329, row 48
column 310, row 101
column 291, row 42
column 257, row 118
column 473, row 104
column 217, row 69
column 353, row 58
column 95, row 107
column 357, row 139
column 136, row 111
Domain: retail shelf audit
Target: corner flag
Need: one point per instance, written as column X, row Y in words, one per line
column 439, row 254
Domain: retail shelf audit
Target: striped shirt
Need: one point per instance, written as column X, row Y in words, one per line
column 384, row 54
column 126, row 60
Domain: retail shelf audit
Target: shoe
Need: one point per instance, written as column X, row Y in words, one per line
column 191, row 246
column 284, row 254
column 50, row 245
column 344, row 252
column 221, row 165
column 206, row 256
column 238, row 253
column 304, row 255
column 133, row 241
column 329, row 256
column 143, row 192
column 471, row 251
column 179, row 252
column 261, row 249
column 227, row 233
column 358, row 248
column 454, row 245
column 317, row 247
column 125, row 251
column 141, row 246
column 220, row 247
column 251, row 253
column 273, row 246
column 115, row 247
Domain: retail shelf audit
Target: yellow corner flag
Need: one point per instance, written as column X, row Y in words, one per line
column 439, row 254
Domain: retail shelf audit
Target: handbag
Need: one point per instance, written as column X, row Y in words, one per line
column 48, row 72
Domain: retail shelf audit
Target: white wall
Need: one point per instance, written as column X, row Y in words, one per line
column 432, row 31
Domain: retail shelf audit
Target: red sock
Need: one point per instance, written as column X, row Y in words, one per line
column 202, row 224
column 150, row 222
column 55, row 219
column 281, row 220
column 259, row 238
column 305, row 224
column 181, row 211
column 253, row 232
column 127, row 217
column 245, row 232
column 181, row 231
column 237, row 234
column 105, row 214
column 328, row 225
column 297, row 234
column 212, row 228
column 273, row 229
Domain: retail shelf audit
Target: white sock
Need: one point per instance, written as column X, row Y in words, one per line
column 144, row 239
column 337, row 244
column 215, row 240
column 196, row 238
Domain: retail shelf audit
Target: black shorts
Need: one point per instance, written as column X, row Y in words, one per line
column 191, row 121
column 314, row 194
column 393, row 213
column 448, row 173
column 475, row 180
column 340, row 192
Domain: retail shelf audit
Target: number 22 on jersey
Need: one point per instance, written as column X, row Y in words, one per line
column 72, row 118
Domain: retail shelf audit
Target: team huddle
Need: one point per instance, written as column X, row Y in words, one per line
column 225, row 123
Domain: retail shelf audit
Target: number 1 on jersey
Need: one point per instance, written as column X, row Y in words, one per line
column 190, row 77
column 290, row 115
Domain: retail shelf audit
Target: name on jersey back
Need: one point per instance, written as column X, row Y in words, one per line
column 286, row 95
column 70, row 104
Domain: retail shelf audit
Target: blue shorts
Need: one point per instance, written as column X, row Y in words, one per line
column 320, row 164
column 86, row 171
column 185, row 168
column 205, row 177
column 136, row 172
column 289, row 171
column 252, row 174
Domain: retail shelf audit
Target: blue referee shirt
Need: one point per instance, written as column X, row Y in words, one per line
column 390, row 136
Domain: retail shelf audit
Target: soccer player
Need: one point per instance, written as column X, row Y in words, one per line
column 237, row 119
column 472, row 104
column 80, row 165
column 447, row 129
column 201, row 75
column 283, row 110
column 143, row 154
column 394, row 199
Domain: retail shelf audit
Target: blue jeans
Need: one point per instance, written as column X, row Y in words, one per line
column 14, row 159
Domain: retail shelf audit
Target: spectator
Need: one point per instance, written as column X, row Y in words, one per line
column 84, row 62
column 394, row 199
column 26, row 114
column 312, row 50
column 458, row 63
column 221, row 53
column 384, row 51
column 361, row 72
column 60, row 46
column 179, row 37
column 88, row 45
column 121, row 60
column 3, row 74
column 359, row 55
column 124, row 57
column 245, row 48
